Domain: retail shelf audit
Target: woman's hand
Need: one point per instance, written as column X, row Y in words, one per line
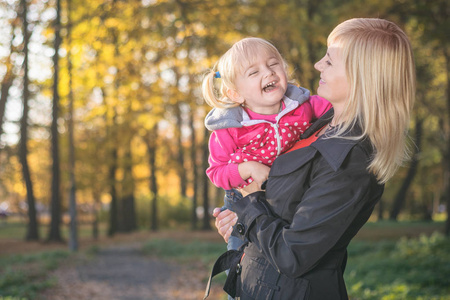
column 251, row 188
column 225, row 221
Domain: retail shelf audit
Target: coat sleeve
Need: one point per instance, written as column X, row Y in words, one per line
column 221, row 172
column 325, row 213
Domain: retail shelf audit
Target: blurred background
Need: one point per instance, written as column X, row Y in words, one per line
column 101, row 101
column 101, row 114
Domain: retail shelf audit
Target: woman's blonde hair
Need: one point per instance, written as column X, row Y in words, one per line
column 240, row 55
column 381, row 74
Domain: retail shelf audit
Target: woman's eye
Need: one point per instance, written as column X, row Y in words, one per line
column 328, row 63
column 274, row 64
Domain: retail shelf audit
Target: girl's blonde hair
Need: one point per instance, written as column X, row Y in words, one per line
column 240, row 55
column 381, row 74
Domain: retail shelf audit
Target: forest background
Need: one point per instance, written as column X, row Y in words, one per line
column 101, row 113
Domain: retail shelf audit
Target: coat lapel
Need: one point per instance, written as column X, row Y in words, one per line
column 291, row 161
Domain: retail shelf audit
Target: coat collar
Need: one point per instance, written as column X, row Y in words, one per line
column 333, row 150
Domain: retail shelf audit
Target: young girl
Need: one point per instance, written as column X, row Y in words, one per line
column 256, row 116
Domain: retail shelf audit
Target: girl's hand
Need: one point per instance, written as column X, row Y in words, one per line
column 257, row 171
column 225, row 221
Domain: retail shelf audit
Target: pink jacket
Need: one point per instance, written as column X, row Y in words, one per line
column 260, row 138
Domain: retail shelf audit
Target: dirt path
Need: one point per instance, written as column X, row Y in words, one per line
column 122, row 272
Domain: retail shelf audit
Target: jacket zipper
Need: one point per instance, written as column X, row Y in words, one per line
column 276, row 127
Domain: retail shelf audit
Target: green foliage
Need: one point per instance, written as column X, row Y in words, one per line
column 13, row 230
column 416, row 269
column 17, row 230
column 193, row 251
column 23, row 276
column 171, row 214
column 407, row 269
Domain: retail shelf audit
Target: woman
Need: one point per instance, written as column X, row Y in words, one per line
column 318, row 196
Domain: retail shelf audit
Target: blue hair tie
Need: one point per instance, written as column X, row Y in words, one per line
column 217, row 75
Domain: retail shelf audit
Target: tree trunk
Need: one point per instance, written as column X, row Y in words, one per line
column 114, row 222
column 112, row 151
column 380, row 209
column 447, row 196
column 401, row 195
column 194, row 170
column 113, row 209
column 206, row 216
column 9, row 76
column 151, row 146
column 128, row 214
column 73, row 236
column 180, row 156
column 96, row 205
column 55, row 222
column 32, row 227
column 7, row 83
column 447, row 135
column 128, row 205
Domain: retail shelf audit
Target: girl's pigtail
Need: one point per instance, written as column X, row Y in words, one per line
column 208, row 90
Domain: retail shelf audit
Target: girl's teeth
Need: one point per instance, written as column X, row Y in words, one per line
column 269, row 87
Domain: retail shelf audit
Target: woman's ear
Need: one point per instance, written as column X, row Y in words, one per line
column 235, row 96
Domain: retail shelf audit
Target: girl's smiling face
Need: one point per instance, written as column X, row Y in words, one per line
column 261, row 84
column 333, row 84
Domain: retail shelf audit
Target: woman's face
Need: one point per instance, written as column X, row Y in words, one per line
column 333, row 84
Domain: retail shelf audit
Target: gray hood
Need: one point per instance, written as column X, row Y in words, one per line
column 220, row 118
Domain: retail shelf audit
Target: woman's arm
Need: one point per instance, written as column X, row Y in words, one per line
column 333, row 208
column 226, row 219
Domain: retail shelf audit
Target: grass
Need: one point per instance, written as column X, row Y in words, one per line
column 23, row 276
column 393, row 230
column 387, row 261
column 15, row 229
column 199, row 251
column 407, row 268
column 417, row 268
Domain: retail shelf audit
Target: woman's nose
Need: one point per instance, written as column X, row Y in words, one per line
column 317, row 65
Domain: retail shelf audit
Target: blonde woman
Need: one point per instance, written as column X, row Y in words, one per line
column 323, row 191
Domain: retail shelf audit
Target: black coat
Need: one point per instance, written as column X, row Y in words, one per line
column 316, row 200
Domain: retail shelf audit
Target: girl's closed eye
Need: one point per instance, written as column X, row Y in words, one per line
column 328, row 63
